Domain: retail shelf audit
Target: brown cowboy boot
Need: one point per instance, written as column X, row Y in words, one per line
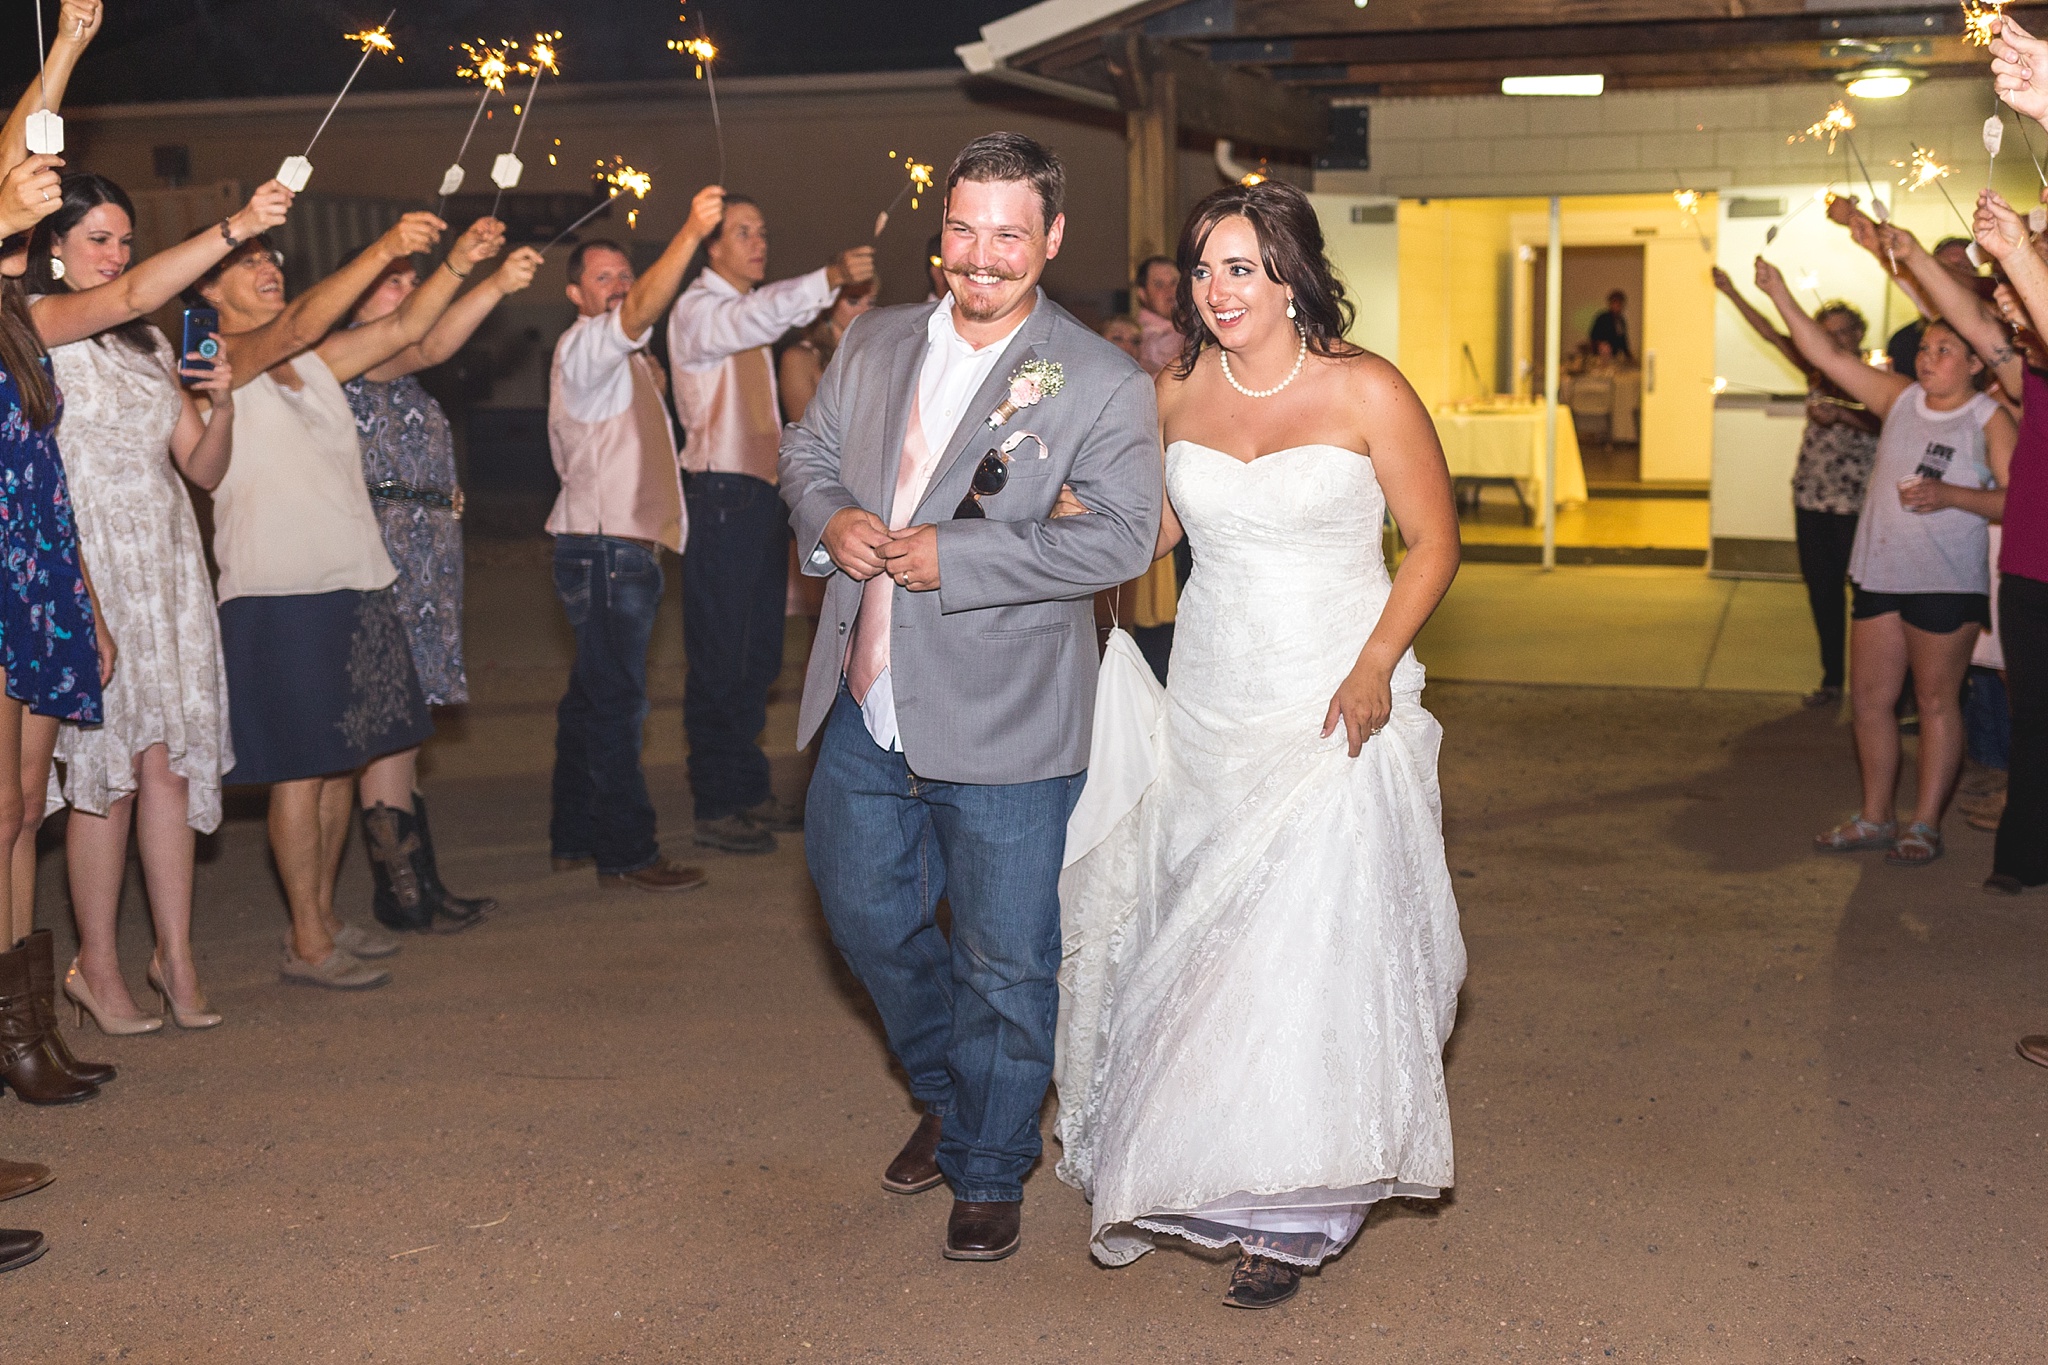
column 42, row 971
column 26, row 1062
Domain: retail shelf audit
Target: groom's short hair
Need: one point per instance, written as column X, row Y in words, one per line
column 1012, row 156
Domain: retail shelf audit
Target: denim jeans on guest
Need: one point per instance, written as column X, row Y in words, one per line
column 735, row 595
column 971, row 1020
column 610, row 589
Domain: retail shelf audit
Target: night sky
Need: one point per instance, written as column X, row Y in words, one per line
column 215, row 49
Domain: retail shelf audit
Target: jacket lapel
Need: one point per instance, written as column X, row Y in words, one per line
column 904, row 364
column 974, row 429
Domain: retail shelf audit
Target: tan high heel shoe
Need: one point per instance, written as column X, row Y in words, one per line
column 195, row 1018
column 80, row 996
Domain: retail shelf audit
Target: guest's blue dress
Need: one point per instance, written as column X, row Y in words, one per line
column 46, row 624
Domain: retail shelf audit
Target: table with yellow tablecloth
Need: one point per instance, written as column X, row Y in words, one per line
column 1507, row 443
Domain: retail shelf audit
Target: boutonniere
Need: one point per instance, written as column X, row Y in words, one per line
column 1035, row 381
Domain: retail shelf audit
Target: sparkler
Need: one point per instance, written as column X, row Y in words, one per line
column 918, row 185
column 1924, row 170
column 1819, row 197
column 1980, row 20
column 623, row 179
column 1837, row 123
column 540, row 60
column 1688, row 202
column 295, row 171
column 701, row 49
column 490, row 66
column 45, row 130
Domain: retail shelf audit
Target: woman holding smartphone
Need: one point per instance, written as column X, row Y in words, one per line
column 156, row 760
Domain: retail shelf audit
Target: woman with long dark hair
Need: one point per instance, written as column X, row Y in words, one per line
column 1255, row 1016
column 130, row 429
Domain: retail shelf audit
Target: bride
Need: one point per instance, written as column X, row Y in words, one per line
column 1262, row 959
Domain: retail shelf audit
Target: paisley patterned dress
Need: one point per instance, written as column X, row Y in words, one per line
column 406, row 440
column 46, row 621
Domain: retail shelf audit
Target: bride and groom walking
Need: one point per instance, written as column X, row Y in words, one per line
column 1260, row 957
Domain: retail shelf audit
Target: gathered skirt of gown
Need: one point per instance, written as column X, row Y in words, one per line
column 1261, row 961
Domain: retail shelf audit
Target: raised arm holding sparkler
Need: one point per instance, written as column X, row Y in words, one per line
column 80, row 312
column 260, row 329
column 78, row 22
column 1961, row 306
column 459, row 323
column 1863, row 231
column 2003, row 236
column 295, row 171
column 1874, row 388
column 653, row 292
column 350, row 351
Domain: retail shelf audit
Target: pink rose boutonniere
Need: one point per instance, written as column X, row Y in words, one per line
column 1035, row 381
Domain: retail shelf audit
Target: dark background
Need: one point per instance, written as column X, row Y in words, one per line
column 152, row 50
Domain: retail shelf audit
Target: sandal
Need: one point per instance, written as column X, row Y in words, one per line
column 1858, row 836
column 1917, row 847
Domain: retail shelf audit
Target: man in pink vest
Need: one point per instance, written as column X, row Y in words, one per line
column 736, row 569
column 621, row 505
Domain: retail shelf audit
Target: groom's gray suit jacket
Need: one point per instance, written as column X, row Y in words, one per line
column 993, row 674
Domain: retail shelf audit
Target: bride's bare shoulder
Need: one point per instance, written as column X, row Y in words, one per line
column 1377, row 382
column 1174, row 389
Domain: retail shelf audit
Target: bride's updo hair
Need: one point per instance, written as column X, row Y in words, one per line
column 1290, row 245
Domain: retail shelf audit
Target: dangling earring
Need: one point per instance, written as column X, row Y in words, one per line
column 57, row 269
column 1290, row 307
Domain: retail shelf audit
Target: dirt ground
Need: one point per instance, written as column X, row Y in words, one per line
column 1715, row 1099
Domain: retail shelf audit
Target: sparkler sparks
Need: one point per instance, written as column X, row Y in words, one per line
column 539, row 61
column 1980, row 20
column 918, row 185
column 1837, row 122
column 488, row 64
column 297, row 170
column 376, row 39
column 700, row 48
column 1923, row 170
column 623, row 178
column 703, row 51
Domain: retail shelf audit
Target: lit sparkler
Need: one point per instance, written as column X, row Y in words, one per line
column 297, row 170
column 622, row 178
column 1837, row 122
column 701, row 50
column 539, row 61
column 489, row 66
column 1926, row 169
column 1980, row 20
column 45, row 130
column 918, row 185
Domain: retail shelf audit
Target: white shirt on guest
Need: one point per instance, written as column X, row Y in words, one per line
column 593, row 356
column 953, row 373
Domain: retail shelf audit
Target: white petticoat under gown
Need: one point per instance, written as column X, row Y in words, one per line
column 1262, row 960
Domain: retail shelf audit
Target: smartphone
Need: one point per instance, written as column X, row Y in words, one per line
column 201, row 327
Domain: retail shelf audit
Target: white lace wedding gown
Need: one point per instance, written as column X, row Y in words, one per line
column 1262, row 960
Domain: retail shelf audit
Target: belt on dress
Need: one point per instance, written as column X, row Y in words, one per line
column 397, row 490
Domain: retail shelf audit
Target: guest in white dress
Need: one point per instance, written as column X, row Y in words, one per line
column 156, row 760
column 1263, row 958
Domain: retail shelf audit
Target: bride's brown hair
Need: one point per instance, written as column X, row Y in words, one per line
column 1291, row 247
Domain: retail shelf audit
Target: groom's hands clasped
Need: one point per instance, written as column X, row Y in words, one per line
column 854, row 537
column 912, row 557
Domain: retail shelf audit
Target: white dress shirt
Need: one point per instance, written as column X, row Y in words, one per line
column 952, row 374
column 593, row 358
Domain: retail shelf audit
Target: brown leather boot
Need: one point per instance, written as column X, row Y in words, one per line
column 982, row 1232
column 916, row 1167
column 42, row 971
column 26, row 1062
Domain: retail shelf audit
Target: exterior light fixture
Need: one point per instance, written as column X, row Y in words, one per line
column 1553, row 85
column 1879, row 82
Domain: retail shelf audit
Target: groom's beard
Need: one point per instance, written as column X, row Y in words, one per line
column 979, row 307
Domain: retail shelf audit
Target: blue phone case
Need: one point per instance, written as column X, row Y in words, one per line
column 201, row 324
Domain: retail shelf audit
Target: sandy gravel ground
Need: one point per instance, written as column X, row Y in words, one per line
column 1716, row 1099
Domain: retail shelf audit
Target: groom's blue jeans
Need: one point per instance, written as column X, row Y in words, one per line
column 972, row 1020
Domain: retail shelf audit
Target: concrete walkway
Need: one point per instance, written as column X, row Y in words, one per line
column 1716, row 1098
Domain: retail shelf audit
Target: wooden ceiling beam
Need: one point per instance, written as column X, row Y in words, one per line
column 1589, row 41
column 1220, row 101
column 1266, row 18
column 1723, row 66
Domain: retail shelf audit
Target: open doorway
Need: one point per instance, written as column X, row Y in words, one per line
column 1601, row 368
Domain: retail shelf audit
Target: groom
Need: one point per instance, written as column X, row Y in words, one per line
column 954, row 670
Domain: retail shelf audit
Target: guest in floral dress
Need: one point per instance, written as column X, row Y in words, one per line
column 409, row 465
column 156, row 762
column 1835, row 453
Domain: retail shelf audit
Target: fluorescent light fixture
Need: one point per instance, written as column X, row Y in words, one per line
column 1553, row 85
column 1879, row 82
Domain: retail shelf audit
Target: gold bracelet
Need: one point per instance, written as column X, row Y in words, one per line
column 458, row 274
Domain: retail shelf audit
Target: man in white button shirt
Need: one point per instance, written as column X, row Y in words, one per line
column 621, row 505
column 953, row 677
column 736, row 567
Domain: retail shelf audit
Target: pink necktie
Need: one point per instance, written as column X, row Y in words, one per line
column 868, row 655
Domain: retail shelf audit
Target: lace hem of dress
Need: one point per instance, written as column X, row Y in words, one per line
column 1301, row 1227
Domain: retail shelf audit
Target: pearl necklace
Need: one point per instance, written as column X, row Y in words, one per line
column 1300, row 355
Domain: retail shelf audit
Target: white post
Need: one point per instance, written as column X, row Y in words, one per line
column 1553, row 342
